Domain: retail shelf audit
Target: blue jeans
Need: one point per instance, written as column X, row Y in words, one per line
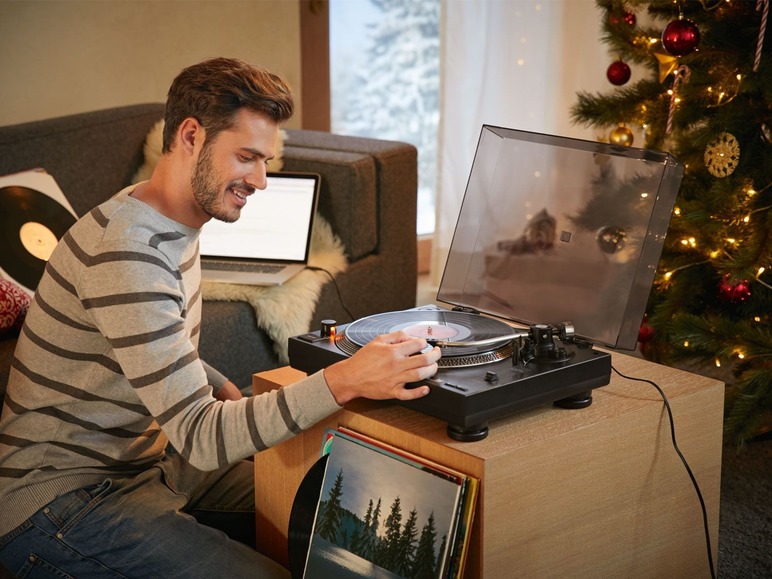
column 154, row 525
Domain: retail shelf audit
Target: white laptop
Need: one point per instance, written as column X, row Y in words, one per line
column 271, row 240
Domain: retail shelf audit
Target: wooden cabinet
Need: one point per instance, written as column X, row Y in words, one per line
column 596, row 492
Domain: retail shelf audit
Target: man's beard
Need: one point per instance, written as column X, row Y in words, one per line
column 208, row 192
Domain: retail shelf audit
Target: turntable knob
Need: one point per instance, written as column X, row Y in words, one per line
column 329, row 328
column 491, row 376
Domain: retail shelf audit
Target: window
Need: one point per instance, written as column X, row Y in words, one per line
column 384, row 68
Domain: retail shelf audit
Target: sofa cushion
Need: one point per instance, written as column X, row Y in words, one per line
column 14, row 303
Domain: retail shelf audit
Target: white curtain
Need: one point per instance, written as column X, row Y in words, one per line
column 511, row 63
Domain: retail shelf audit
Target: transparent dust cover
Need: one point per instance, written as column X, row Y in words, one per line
column 554, row 229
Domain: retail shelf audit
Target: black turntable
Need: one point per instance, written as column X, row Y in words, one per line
column 555, row 250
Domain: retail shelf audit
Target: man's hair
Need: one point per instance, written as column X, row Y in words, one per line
column 214, row 90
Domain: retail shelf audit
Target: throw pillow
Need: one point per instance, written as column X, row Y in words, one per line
column 154, row 144
column 14, row 303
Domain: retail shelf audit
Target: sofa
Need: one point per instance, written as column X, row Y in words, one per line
column 368, row 196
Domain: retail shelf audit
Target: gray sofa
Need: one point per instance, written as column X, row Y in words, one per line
column 368, row 196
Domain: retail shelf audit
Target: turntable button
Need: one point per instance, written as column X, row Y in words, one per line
column 457, row 387
column 491, row 376
column 434, row 382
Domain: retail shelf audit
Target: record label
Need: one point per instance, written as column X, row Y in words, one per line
column 38, row 239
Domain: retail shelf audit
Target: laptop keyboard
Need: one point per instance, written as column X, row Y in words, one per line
column 250, row 267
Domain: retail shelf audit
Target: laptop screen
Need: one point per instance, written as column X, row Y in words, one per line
column 275, row 224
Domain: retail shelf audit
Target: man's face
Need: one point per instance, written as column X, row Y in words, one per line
column 232, row 166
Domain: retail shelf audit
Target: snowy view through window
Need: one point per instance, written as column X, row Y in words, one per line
column 384, row 66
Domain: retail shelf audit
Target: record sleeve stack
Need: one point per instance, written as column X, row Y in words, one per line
column 366, row 507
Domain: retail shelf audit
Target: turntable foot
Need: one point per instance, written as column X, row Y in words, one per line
column 581, row 400
column 468, row 434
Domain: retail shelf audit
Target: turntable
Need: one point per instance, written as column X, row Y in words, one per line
column 554, row 253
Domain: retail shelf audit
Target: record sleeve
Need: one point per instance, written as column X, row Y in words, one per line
column 34, row 216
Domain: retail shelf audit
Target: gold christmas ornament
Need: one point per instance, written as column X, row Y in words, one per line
column 722, row 155
column 621, row 136
column 667, row 64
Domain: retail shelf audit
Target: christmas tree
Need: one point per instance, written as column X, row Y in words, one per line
column 705, row 97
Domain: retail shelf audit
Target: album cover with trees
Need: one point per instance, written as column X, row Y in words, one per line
column 383, row 512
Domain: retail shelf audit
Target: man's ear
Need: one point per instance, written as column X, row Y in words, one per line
column 190, row 134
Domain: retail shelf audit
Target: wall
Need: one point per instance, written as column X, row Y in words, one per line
column 69, row 56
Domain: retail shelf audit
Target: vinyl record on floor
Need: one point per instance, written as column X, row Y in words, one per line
column 31, row 225
column 302, row 516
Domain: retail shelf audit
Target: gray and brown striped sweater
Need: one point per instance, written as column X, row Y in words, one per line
column 106, row 370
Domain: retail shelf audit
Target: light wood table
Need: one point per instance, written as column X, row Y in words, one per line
column 596, row 492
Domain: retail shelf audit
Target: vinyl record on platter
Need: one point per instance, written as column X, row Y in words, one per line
column 31, row 225
column 302, row 516
column 445, row 325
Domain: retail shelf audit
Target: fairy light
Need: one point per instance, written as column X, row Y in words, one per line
column 761, row 270
column 718, row 363
column 686, row 343
column 756, row 318
column 677, row 211
column 746, row 219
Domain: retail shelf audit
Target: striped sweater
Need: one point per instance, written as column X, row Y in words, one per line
column 106, row 370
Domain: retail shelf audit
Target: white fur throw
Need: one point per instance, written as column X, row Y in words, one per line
column 282, row 311
column 286, row 310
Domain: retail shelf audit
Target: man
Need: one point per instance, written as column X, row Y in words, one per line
column 106, row 372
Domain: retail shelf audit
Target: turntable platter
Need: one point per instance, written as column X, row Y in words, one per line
column 448, row 326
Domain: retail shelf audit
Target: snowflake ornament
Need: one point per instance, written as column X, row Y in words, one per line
column 722, row 155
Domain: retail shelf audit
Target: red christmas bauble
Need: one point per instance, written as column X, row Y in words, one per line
column 733, row 292
column 646, row 333
column 615, row 17
column 680, row 37
column 618, row 73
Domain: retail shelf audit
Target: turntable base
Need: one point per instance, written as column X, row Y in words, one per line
column 478, row 384
column 594, row 493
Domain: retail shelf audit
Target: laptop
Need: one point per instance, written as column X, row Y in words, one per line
column 271, row 240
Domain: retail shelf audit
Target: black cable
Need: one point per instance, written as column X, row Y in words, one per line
column 686, row 465
column 337, row 289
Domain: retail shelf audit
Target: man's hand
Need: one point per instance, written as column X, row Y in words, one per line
column 381, row 369
column 229, row 391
